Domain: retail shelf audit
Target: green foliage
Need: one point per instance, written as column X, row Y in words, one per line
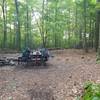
column 98, row 5
column 53, row 20
column 91, row 91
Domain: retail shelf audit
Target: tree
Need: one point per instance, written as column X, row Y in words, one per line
column 85, row 38
column 51, row 23
column 98, row 27
column 4, row 10
column 18, row 33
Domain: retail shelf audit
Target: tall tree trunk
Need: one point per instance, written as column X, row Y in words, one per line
column 85, row 38
column 76, row 22
column 80, row 38
column 69, row 28
column 90, row 31
column 98, row 29
column 55, row 27
column 4, row 24
column 11, row 38
column 30, row 31
column 42, row 29
column 93, row 33
column 18, row 33
column 46, row 23
column 99, row 40
column 27, row 25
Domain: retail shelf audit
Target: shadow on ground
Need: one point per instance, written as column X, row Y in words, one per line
column 19, row 67
column 41, row 93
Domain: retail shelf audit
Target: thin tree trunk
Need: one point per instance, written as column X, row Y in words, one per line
column 99, row 42
column 85, row 38
column 27, row 26
column 42, row 30
column 18, row 33
column 46, row 26
column 55, row 34
column 90, row 32
column 69, row 30
column 97, row 31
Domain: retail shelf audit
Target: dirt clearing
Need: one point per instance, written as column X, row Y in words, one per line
column 61, row 79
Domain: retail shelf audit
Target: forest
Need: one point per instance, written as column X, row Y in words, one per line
column 49, row 23
column 49, row 49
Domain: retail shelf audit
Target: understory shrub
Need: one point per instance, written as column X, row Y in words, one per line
column 91, row 91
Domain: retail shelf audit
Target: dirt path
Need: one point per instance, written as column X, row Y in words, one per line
column 62, row 79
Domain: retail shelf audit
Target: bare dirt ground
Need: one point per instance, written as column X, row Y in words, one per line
column 62, row 79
